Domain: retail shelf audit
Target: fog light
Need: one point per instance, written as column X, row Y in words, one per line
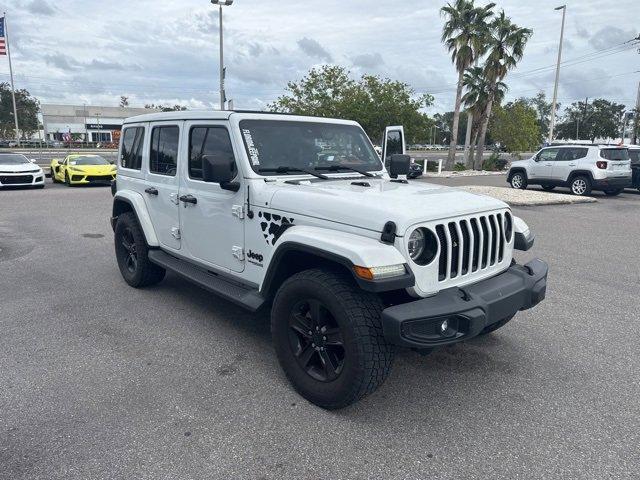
column 444, row 326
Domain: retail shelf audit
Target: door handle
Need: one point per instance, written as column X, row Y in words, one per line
column 151, row 191
column 189, row 199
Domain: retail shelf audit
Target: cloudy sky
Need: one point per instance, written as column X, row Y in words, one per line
column 161, row 51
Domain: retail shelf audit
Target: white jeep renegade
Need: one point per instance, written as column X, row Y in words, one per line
column 299, row 215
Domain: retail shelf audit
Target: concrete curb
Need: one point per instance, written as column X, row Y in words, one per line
column 527, row 198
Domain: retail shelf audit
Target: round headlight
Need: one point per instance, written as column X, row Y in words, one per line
column 422, row 246
column 508, row 226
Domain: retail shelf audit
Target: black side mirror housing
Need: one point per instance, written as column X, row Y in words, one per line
column 399, row 165
column 220, row 169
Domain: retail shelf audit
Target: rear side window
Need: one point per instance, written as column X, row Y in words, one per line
column 207, row 141
column 163, row 157
column 132, row 142
column 615, row 153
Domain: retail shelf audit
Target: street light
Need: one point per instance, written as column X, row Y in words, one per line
column 555, row 88
column 220, row 3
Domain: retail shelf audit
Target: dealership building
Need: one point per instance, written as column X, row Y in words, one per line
column 85, row 122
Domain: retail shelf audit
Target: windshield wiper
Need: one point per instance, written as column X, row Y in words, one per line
column 285, row 169
column 337, row 168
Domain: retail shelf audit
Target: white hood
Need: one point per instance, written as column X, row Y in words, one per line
column 20, row 168
column 371, row 207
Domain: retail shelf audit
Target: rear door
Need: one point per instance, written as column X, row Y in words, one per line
column 392, row 143
column 213, row 226
column 542, row 168
column 161, row 189
column 567, row 161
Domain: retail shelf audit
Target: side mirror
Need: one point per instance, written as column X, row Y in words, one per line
column 32, row 160
column 399, row 165
column 220, row 169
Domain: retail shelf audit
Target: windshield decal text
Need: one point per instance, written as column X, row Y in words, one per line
column 254, row 154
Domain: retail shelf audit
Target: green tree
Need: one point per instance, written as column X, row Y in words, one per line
column 505, row 49
column 27, row 107
column 599, row 119
column 374, row 102
column 465, row 36
column 515, row 126
column 475, row 101
column 543, row 111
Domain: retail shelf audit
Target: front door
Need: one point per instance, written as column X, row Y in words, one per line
column 212, row 228
column 567, row 161
column 542, row 168
column 161, row 186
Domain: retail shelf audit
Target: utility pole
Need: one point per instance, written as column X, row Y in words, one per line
column 13, row 88
column 636, row 118
column 555, row 87
column 467, row 138
column 223, row 96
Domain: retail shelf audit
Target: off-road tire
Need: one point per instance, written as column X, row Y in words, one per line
column 613, row 193
column 518, row 181
column 144, row 273
column 578, row 188
column 367, row 356
column 495, row 326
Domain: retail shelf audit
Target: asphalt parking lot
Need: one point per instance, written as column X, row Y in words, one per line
column 98, row 380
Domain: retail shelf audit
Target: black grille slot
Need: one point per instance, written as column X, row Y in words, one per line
column 16, row 179
column 485, row 243
column 455, row 249
column 466, row 241
column 494, row 238
column 501, row 237
column 476, row 244
column 99, row 178
column 444, row 252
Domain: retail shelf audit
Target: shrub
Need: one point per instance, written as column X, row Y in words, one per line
column 459, row 167
column 494, row 163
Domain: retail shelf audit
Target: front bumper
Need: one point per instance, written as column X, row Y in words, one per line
column 467, row 310
column 23, row 179
column 611, row 183
column 84, row 179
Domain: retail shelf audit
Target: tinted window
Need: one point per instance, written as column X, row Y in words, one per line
column 13, row 159
column 131, row 154
column 163, row 157
column 88, row 160
column 615, row 153
column 634, row 155
column 568, row 154
column 548, row 155
column 203, row 141
column 394, row 144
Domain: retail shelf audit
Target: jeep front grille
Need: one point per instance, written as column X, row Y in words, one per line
column 469, row 245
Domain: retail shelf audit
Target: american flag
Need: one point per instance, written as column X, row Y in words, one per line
column 3, row 43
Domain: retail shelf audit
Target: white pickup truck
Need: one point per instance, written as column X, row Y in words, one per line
column 300, row 215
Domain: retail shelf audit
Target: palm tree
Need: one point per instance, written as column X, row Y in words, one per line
column 505, row 49
column 464, row 34
column 476, row 97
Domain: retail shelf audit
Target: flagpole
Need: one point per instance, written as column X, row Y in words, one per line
column 13, row 90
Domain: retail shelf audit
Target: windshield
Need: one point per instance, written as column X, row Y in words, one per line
column 13, row 159
column 615, row 153
column 275, row 144
column 88, row 160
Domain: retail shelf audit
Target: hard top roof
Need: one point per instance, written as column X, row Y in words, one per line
column 220, row 115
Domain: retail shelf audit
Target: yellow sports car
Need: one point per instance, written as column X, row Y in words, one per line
column 82, row 169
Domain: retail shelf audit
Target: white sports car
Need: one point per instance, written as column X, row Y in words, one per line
column 16, row 170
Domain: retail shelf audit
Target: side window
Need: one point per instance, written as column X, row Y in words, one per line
column 548, row 155
column 163, row 156
column 203, row 141
column 131, row 153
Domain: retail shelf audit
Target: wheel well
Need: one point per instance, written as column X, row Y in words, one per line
column 294, row 261
column 120, row 207
column 580, row 173
column 517, row 170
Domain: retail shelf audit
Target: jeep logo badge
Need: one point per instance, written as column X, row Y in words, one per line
column 255, row 256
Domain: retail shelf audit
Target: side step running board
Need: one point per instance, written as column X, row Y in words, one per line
column 245, row 297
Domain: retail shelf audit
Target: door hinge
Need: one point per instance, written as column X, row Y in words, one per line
column 175, row 232
column 238, row 211
column 173, row 198
column 238, row 252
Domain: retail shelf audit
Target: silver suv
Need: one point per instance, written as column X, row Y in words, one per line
column 582, row 168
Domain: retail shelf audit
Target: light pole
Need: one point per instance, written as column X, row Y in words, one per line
column 220, row 3
column 555, row 87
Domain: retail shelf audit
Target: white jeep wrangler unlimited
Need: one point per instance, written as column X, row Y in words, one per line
column 299, row 215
